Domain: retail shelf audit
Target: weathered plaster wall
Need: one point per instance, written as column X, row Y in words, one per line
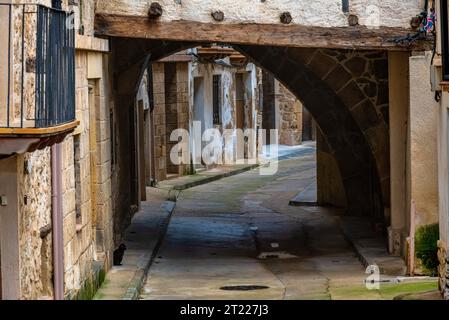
column 423, row 116
column 443, row 191
column 443, row 174
column 229, row 97
column 327, row 13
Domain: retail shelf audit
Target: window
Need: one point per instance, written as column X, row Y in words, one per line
column 217, row 99
column 345, row 6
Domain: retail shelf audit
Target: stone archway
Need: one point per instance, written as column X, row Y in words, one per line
column 345, row 91
column 338, row 89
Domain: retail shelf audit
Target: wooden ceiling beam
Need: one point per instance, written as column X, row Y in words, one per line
column 355, row 38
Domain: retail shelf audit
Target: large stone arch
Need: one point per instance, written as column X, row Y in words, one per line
column 346, row 92
column 338, row 89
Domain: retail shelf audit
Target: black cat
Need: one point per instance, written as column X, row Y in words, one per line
column 118, row 255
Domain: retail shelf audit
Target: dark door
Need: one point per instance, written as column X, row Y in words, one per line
column 307, row 126
column 269, row 105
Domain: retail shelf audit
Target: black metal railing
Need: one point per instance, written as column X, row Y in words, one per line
column 39, row 66
column 444, row 36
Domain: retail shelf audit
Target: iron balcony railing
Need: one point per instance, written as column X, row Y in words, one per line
column 37, row 66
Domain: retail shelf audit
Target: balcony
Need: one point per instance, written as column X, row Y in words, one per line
column 37, row 65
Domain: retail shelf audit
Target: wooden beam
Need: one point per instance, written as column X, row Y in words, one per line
column 356, row 37
column 39, row 132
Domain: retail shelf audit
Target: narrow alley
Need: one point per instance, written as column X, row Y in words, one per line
column 238, row 238
column 224, row 150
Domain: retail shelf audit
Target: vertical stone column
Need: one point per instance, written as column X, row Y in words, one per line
column 159, row 125
column 182, row 96
column 398, row 65
column 330, row 188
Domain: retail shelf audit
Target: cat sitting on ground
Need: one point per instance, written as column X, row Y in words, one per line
column 118, row 255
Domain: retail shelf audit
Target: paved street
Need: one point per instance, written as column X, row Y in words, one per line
column 240, row 231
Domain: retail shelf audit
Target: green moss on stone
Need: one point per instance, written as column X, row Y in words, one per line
column 90, row 286
column 426, row 247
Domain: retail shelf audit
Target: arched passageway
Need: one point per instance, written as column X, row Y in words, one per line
column 345, row 91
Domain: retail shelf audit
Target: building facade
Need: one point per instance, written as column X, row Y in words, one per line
column 439, row 77
column 55, row 228
column 86, row 123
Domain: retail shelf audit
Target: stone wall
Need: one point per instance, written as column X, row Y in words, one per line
column 159, row 118
column 282, row 111
column 176, row 108
column 239, row 94
column 86, row 175
column 77, row 204
column 87, row 191
column 36, row 256
column 330, row 189
column 290, row 117
column 182, row 99
column 443, row 269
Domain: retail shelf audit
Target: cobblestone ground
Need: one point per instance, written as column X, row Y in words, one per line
column 240, row 231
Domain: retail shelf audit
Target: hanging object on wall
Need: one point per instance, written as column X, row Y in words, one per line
column 218, row 15
column 286, row 18
column 429, row 22
column 353, row 20
column 424, row 23
column 155, row 10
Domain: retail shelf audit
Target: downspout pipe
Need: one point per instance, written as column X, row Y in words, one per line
column 57, row 225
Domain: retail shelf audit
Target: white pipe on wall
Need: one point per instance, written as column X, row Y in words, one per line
column 57, row 218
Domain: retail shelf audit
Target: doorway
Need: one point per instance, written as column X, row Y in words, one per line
column 240, row 101
column 198, row 116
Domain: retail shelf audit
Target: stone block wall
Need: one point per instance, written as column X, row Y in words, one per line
column 330, row 185
column 77, row 202
column 290, row 117
column 159, row 118
column 282, row 111
column 182, row 99
column 86, row 178
column 171, row 112
column 87, row 197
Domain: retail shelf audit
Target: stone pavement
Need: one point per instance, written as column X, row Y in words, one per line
column 238, row 238
column 142, row 239
column 190, row 181
column 371, row 247
column 241, row 231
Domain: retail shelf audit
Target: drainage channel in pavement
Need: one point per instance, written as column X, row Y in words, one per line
column 244, row 288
